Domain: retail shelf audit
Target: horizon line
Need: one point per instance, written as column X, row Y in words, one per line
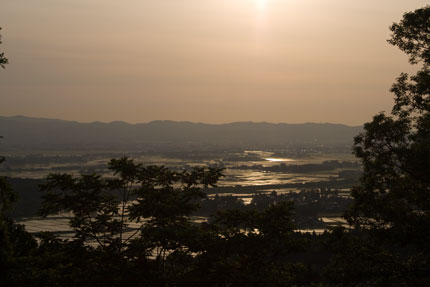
column 177, row 121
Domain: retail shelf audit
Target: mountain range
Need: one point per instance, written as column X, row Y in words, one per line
column 24, row 133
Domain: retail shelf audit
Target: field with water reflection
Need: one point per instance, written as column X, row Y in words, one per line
column 247, row 173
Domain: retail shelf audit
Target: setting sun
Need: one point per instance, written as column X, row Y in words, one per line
column 261, row 4
column 249, row 60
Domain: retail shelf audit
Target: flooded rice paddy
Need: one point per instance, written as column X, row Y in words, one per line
column 244, row 169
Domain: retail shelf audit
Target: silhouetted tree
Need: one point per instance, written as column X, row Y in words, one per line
column 395, row 150
column 251, row 248
column 135, row 227
column 103, row 209
column 16, row 245
column 391, row 207
column 3, row 59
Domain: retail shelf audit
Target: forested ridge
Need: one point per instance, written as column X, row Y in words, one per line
column 33, row 133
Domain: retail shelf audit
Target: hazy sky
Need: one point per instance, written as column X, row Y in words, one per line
column 200, row 60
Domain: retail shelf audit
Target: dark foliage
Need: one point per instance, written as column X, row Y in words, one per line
column 3, row 59
column 391, row 209
column 395, row 150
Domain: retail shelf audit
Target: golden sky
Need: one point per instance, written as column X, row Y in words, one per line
column 210, row 61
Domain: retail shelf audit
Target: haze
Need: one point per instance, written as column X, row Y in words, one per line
column 199, row 60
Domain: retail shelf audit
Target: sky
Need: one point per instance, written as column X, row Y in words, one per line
column 212, row 61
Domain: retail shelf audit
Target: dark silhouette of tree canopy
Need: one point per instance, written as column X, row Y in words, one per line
column 3, row 59
column 390, row 240
column 146, row 197
column 391, row 208
column 395, row 149
column 136, row 225
column 412, row 35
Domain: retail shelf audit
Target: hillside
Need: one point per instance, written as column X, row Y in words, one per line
column 23, row 133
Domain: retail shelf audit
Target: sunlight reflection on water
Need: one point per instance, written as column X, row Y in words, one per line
column 275, row 159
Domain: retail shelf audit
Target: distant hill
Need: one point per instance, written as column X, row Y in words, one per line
column 24, row 133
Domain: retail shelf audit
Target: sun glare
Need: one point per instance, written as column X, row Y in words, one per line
column 261, row 4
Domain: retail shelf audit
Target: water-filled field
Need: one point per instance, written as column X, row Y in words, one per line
column 246, row 173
